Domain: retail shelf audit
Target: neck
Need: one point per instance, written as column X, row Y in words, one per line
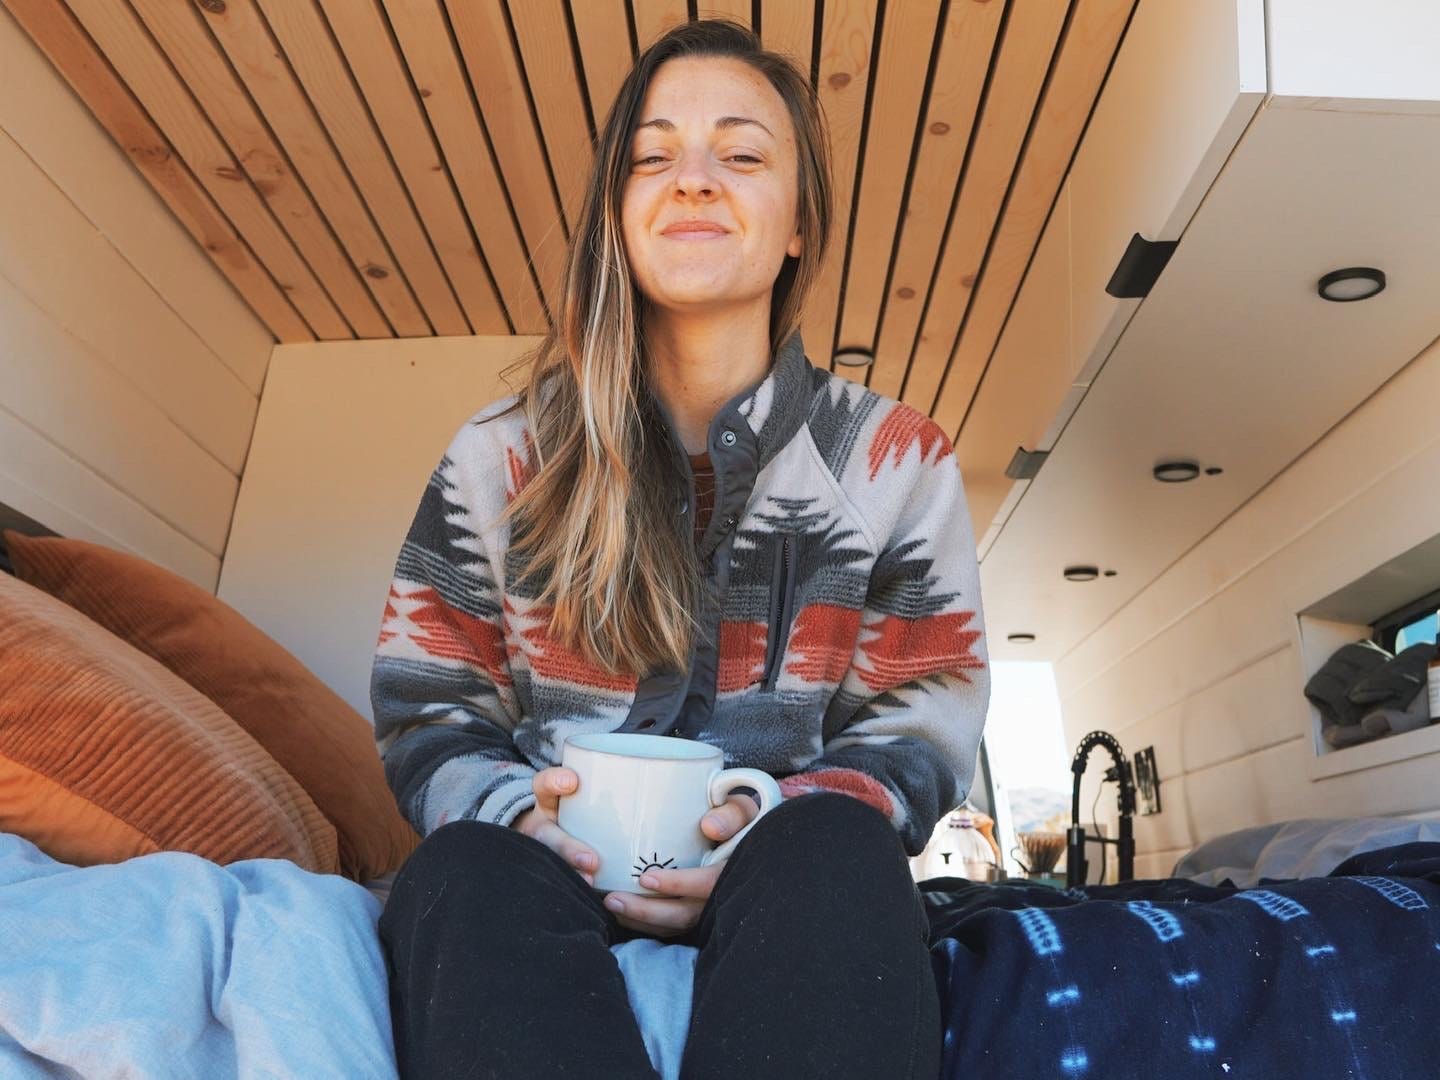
column 699, row 362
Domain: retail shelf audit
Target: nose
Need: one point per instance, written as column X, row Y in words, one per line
column 695, row 178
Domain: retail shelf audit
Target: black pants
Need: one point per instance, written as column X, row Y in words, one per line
column 812, row 961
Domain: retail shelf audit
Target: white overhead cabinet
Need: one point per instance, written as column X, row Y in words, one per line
column 1232, row 361
column 1319, row 416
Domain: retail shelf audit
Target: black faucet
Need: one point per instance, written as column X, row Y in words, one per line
column 1120, row 772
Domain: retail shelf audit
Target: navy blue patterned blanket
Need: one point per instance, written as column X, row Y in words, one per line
column 1336, row 976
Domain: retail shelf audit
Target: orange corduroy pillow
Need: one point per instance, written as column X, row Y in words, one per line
column 308, row 728
column 105, row 755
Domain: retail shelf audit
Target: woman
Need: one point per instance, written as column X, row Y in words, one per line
column 680, row 526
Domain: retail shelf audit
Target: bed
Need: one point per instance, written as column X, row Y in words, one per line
column 169, row 965
column 228, row 929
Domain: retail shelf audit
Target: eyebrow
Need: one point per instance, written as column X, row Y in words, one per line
column 723, row 123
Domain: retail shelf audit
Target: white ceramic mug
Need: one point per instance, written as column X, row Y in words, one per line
column 640, row 800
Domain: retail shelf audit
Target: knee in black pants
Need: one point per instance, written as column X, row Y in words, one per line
column 477, row 866
column 824, row 841
column 829, row 822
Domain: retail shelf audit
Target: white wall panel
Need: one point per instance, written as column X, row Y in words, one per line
column 129, row 370
column 347, row 436
column 1203, row 664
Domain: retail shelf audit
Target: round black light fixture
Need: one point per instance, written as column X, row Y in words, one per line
column 1110, row 573
column 1021, row 639
column 1214, row 470
column 1176, row 472
column 1081, row 573
column 1351, row 283
column 854, row 357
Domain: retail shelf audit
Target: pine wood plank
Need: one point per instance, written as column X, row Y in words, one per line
column 966, row 46
column 260, row 63
column 1026, row 51
column 602, row 29
column 788, row 26
column 344, row 57
column 654, row 17
column 543, row 34
column 59, row 35
column 130, row 49
column 906, row 39
column 482, row 32
column 845, row 45
column 424, row 37
column 1090, row 44
column 182, row 37
column 52, row 125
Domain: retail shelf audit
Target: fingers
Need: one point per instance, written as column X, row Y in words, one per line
column 579, row 855
column 696, row 884
column 550, row 784
column 649, row 915
column 725, row 821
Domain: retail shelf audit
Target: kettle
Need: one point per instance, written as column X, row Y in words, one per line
column 962, row 845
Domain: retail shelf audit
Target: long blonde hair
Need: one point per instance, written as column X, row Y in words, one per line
column 597, row 520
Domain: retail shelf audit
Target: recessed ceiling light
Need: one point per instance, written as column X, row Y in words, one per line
column 1081, row 573
column 1176, row 472
column 856, row 357
column 1351, row 283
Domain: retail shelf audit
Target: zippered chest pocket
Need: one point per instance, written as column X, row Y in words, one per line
column 782, row 607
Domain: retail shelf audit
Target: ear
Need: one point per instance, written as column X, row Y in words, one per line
column 796, row 245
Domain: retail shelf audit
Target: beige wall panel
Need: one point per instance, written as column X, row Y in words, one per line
column 1156, row 864
column 1174, row 826
column 1273, row 786
column 69, row 395
column 347, row 436
column 42, row 115
column 1369, row 461
column 1384, row 434
column 1252, row 710
column 1208, row 649
column 47, row 483
column 52, row 254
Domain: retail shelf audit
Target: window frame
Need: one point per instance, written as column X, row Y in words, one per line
column 1388, row 627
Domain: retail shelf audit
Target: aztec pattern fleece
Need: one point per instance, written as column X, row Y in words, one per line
column 842, row 647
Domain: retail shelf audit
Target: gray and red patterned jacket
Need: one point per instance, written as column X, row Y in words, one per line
column 843, row 646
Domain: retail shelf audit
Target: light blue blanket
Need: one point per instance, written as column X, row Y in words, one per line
column 170, row 966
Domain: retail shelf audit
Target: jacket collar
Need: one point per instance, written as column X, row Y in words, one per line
column 764, row 416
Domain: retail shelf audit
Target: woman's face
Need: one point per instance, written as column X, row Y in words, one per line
column 714, row 144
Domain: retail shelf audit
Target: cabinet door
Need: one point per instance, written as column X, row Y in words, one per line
column 1186, row 82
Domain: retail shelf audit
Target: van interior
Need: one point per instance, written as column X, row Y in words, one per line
column 1163, row 271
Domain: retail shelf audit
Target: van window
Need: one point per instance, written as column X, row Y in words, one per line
column 1422, row 629
column 1417, row 621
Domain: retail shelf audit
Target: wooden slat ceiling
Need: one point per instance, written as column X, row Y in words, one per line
column 378, row 168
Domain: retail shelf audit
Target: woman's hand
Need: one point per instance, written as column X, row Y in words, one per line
column 540, row 821
column 684, row 891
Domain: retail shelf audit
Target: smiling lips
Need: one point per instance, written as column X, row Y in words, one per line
column 694, row 230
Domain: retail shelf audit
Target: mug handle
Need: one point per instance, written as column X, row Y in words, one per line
column 727, row 780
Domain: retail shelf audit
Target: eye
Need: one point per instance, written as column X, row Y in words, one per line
column 750, row 158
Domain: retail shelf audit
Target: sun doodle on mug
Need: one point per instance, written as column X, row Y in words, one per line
column 642, row 864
